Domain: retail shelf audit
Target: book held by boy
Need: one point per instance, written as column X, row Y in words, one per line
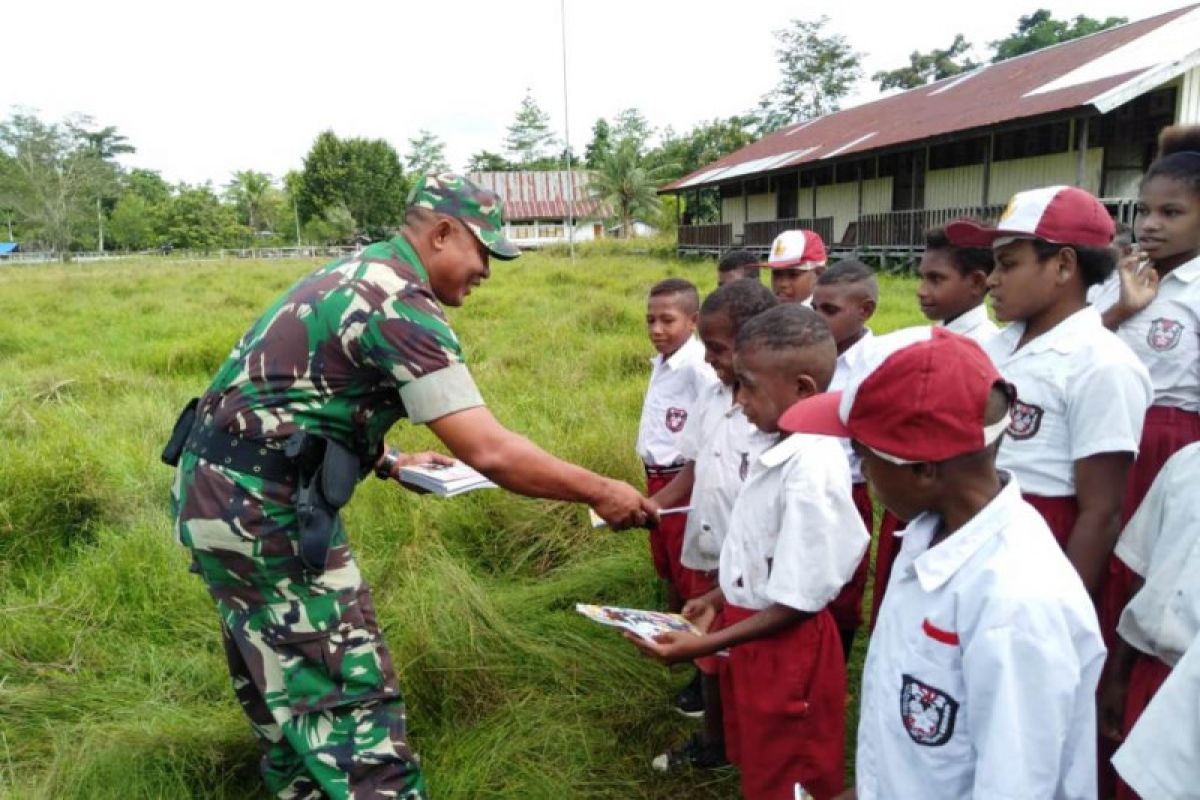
column 598, row 521
column 646, row 624
column 444, row 481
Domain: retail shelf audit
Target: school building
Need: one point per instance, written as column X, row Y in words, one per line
column 541, row 207
column 871, row 179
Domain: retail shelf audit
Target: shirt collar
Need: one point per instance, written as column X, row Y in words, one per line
column 938, row 564
column 408, row 254
column 968, row 320
column 1186, row 272
column 685, row 354
column 857, row 350
column 1065, row 337
column 781, row 451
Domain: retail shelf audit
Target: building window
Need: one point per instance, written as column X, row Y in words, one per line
column 1040, row 140
column 958, row 154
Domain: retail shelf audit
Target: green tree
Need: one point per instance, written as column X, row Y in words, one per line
column 363, row 175
column 925, row 68
column 52, row 177
column 333, row 226
column 529, row 136
column 816, row 71
column 679, row 155
column 631, row 125
column 148, row 185
column 600, row 145
column 197, row 220
column 250, row 193
column 487, row 161
column 131, row 224
column 1040, row 29
column 625, row 184
column 426, row 154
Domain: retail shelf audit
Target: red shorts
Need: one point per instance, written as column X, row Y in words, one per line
column 666, row 548
column 1144, row 682
column 784, row 704
column 846, row 608
column 885, row 556
column 1060, row 514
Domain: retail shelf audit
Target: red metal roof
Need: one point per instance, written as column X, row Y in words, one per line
column 542, row 195
column 1060, row 78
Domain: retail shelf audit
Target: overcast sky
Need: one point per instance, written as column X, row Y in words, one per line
column 203, row 89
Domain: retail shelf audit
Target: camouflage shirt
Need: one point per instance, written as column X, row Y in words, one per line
column 346, row 352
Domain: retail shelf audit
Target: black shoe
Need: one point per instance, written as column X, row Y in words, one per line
column 690, row 701
column 692, row 754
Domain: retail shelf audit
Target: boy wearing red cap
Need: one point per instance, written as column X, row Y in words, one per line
column 982, row 669
column 1082, row 393
column 796, row 260
column 794, row 539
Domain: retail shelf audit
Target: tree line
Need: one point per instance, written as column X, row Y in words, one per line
column 62, row 187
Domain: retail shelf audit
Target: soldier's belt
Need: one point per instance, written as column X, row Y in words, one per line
column 241, row 455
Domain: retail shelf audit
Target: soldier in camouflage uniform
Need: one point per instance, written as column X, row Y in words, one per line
column 344, row 354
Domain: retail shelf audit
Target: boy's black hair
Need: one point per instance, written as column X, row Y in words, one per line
column 849, row 271
column 738, row 259
column 741, row 300
column 1095, row 263
column 785, row 326
column 686, row 289
column 1178, row 156
column 965, row 259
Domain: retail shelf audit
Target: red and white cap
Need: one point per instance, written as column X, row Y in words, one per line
column 1057, row 214
column 919, row 395
column 797, row 249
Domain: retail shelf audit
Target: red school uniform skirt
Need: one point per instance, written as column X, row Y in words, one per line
column 784, row 704
column 1145, row 680
column 666, row 542
column 847, row 606
column 1060, row 514
column 1165, row 433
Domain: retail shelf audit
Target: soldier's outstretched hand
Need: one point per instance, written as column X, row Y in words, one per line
column 622, row 506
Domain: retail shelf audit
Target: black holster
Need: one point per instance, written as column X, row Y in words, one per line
column 179, row 434
column 328, row 474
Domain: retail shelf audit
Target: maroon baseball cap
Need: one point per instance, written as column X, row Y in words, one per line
column 919, row 395
column 1056, row 214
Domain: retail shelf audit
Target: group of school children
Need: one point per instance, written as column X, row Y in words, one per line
column 1036, row 595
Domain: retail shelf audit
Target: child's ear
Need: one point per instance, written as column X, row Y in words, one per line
column 805, row 386
column 978, row 281
column 868, row 308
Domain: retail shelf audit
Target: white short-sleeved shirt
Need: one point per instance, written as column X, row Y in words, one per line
column 1159, row 756
column 794, row 536
column 675, row 383
column 723, row 444
column 981, row 673
column 1080, row 391
column 846, row 362
column 974, row 324
column 1165, row 335
column 1162, row 544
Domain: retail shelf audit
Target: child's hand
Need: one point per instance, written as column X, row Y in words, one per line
column 670, row 648
column 1139, row 284
column 1110, row 708
column 700, row 612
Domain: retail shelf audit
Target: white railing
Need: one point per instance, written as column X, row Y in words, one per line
column 311, row 251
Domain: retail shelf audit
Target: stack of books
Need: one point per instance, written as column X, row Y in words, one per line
column 444, row 481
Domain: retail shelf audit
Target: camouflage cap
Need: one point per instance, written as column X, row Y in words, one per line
column 479, row 209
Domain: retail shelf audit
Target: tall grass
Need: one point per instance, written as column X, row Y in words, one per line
column 111, row 679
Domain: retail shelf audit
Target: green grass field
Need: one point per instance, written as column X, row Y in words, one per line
column 111, row 680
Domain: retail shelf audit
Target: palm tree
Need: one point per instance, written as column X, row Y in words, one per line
column 250, row 190
column 622, row 182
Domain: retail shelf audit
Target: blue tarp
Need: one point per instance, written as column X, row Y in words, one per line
column 7, row 247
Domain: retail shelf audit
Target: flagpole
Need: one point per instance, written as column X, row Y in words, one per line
column 562, row 9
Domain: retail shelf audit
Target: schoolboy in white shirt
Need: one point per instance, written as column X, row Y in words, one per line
column 847, row 295
column 796, row 260
column 1081, row 393
column 981, row 672
column 793, row 542
column 954, row 285
column 719, row 444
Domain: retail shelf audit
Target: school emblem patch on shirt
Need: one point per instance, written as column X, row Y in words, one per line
column 676, row 419
column 928, row 713
column 1025, row 420
column 1164, row 334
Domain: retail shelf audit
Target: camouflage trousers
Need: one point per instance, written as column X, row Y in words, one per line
column 308, row 663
